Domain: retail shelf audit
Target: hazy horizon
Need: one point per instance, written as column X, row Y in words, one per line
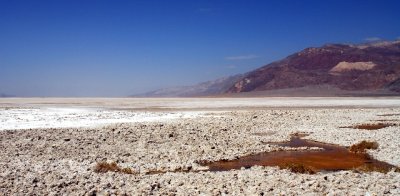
column 120, row 48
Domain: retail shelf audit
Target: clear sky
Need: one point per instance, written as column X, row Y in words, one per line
column 119, row 48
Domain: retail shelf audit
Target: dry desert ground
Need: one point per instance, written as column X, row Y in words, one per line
column 161, row 146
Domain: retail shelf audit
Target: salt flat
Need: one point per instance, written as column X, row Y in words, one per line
column 169, row 134
column 69, row 117
column 28, row 113
column 203, row 103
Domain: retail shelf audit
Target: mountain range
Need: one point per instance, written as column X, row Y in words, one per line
column 329, row 70
column 5, row 95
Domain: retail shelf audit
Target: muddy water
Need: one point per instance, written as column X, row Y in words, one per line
column 331, row 158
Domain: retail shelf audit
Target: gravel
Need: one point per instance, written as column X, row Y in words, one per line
column 53, row 161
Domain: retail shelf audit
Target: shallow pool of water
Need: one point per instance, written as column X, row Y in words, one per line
column 330, row 158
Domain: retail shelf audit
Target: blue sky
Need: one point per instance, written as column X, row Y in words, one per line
column 118, row 48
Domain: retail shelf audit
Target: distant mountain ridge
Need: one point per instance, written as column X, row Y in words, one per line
column 5, row 95
column 203, row 89
column 345, row 68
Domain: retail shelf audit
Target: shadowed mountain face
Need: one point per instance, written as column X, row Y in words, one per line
column 328, row 70
column 394, row 86
column 347, row 67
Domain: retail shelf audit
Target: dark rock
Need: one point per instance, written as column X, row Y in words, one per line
column 126, row 154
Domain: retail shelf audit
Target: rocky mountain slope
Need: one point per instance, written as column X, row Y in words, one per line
column 347, row 67
column 332, row 69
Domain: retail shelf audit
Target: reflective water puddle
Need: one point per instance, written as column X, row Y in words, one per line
column 330, row 158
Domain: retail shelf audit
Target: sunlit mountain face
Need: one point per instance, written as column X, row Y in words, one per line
column 370, row 67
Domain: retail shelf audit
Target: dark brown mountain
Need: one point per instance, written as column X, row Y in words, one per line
column 368, row 67
column 330, row 70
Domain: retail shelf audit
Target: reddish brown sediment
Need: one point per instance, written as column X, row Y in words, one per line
column 386, row 120
column 389, row 115
column 265, row 133
column 331, row 158
column 298, row 168
column 362, row 146
column 182, row 170
column 104, row 167
column 371, row 126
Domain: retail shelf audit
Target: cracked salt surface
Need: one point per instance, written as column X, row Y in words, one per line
column 59, row 117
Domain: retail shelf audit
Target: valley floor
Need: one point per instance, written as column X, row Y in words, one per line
column 52, row 146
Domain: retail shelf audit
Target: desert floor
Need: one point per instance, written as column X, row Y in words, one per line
column 51, row 146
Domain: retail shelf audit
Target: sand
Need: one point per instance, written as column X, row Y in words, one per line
column 52, row 158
